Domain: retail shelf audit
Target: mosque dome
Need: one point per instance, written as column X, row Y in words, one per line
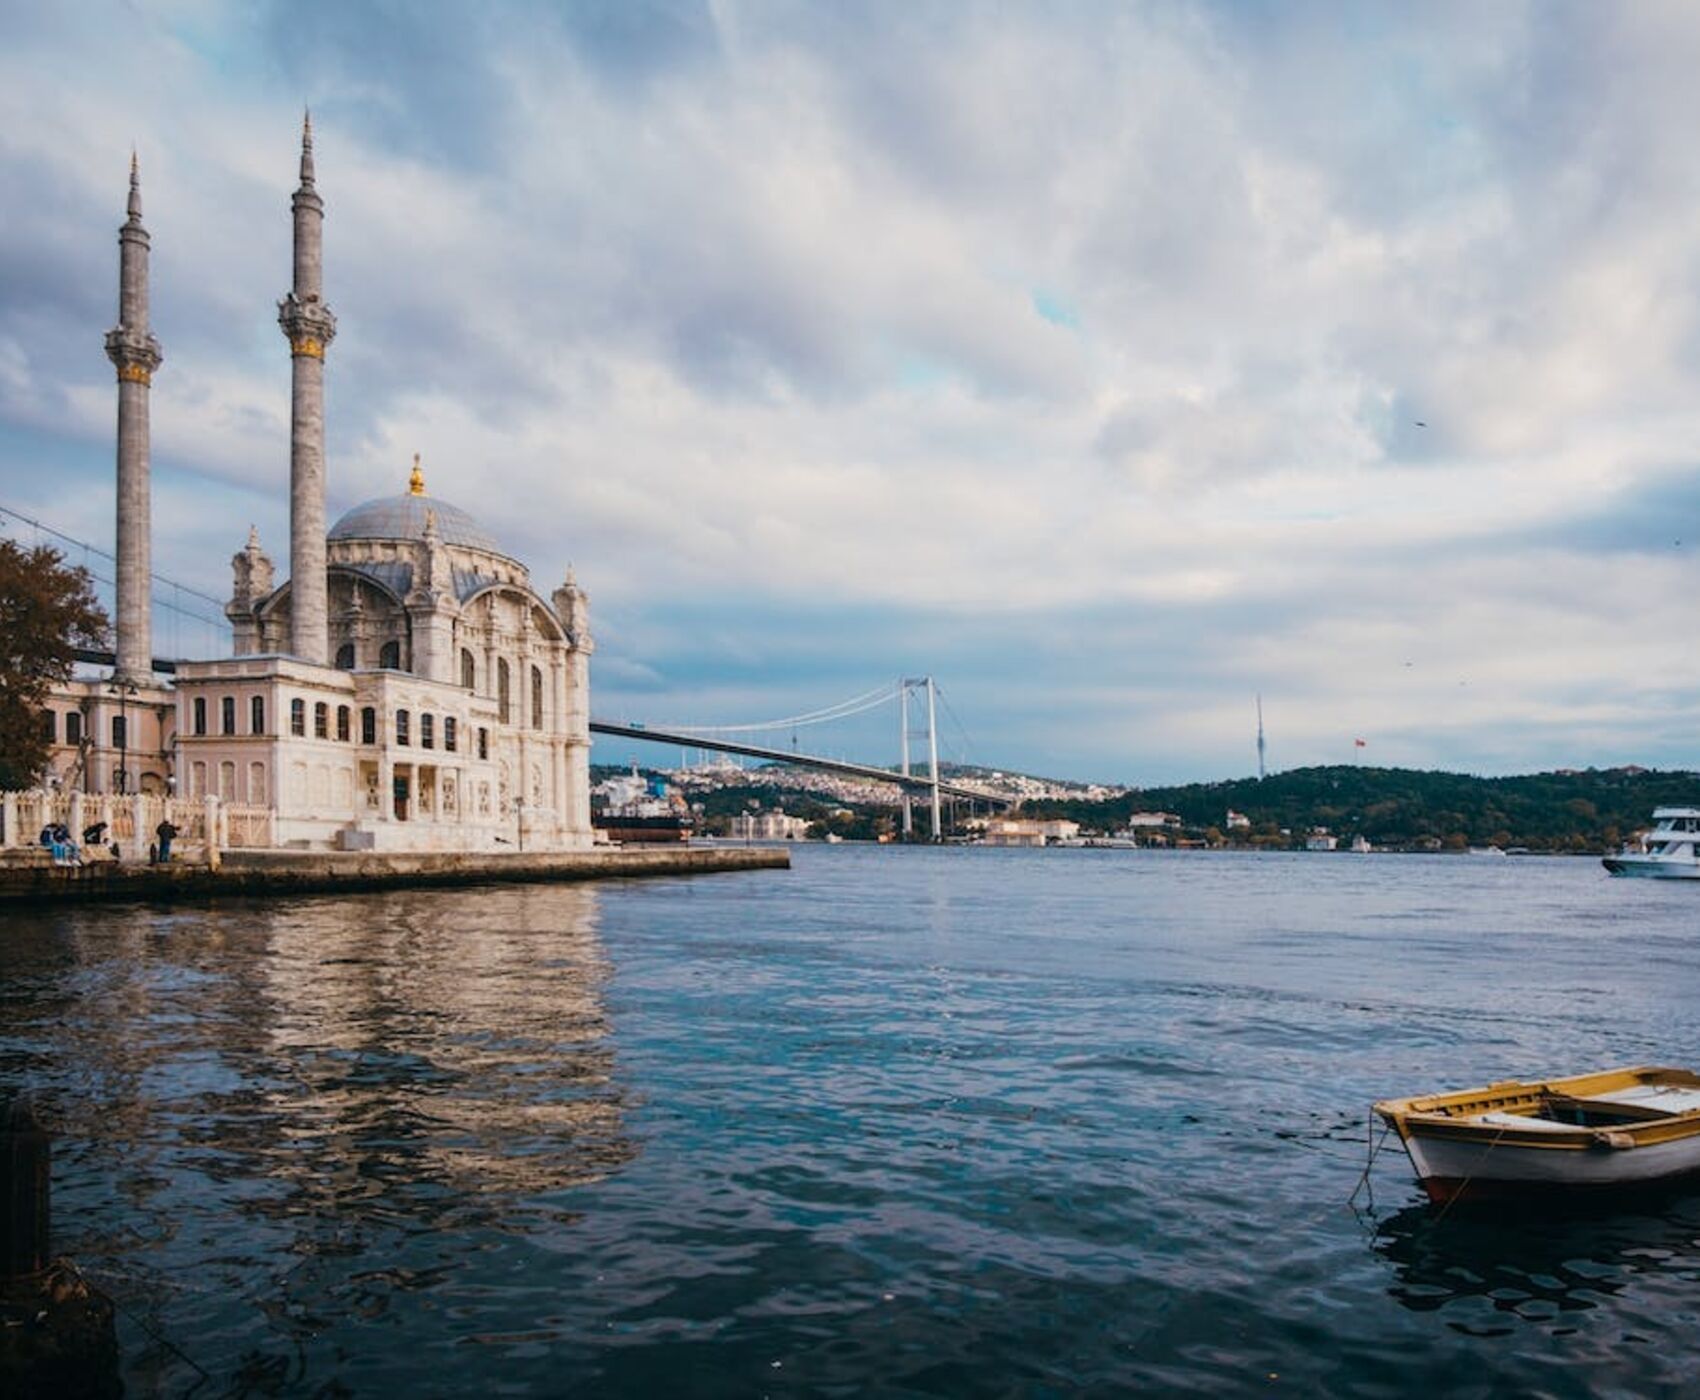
column 403, row 518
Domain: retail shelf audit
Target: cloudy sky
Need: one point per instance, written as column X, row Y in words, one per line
column 1113, row 363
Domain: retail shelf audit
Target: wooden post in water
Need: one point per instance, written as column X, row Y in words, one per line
column 26, row 1165
column 57, row 1334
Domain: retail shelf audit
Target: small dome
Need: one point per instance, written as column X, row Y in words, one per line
column 403, row 518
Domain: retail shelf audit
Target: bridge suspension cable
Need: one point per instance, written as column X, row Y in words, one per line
column 843, row 710
column 88, row 548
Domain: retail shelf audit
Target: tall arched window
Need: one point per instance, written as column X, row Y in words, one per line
column 536, row 698
column 298, row 718
column 321, row 720
column 502, row 689
column 368, row 725
column 468, row 670
column 389, row 657
column 342, row 717
column 345, row 657
column 257, row 715
column 199, row 723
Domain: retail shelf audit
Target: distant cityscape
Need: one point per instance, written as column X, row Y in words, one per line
column 1340, row 808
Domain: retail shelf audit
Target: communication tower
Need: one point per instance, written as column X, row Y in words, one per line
column 1260, row 738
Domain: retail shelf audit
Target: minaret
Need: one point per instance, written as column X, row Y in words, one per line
column 308, row 325
column 135, row 354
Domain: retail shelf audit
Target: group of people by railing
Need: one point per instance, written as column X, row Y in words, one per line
column 132, row 826
column 64, row 850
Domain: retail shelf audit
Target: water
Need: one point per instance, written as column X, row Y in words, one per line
column 957, row 1122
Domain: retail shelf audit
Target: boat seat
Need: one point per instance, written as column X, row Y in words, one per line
column 1522, row 1120
column 1660, row 1098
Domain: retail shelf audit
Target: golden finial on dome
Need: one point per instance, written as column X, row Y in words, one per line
column 416, row 482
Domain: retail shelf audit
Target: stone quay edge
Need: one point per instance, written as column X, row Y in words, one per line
column 261, row 872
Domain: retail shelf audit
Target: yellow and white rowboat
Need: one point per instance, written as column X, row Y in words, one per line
column 1615, row 1128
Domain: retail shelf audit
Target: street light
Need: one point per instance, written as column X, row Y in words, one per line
column 123, row 690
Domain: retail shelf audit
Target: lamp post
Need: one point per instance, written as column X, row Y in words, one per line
column 123, row 690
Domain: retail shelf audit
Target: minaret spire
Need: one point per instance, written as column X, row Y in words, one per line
column 307, row 148
column 135, row 354
column 308, row 325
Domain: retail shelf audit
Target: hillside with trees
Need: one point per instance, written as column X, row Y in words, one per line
column 1595, row 810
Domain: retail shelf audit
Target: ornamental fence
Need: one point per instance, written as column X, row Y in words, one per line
column 132, row 821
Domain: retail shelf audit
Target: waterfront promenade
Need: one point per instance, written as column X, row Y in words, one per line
column 29, row 877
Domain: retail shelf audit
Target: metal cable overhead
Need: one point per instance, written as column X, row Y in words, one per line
column 843, row 710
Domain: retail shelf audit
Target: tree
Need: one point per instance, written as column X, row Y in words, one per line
column 47, row 610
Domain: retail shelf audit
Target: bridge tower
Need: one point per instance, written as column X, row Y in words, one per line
column 906, row 733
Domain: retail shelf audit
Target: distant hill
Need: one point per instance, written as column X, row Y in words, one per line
column 1593, row 810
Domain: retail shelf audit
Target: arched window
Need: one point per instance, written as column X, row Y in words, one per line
column 257, row 715
column 483, row 742
column 345, row 657
column 298, row 718
column 427, row 731
column 321, row 720
column 342, row 716
column 468, row 670
column 74, row 727
column 449, row 733
column 401, row 726
column 120, row 732
column 200, row 721
column 50, row 726
column 536, row 698
column 368, row 725
column 502, row 689
column 389, row 656
column 227, row 715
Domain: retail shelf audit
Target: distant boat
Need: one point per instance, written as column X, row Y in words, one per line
column 1486, row 851
column 1616, row 1128
column 1361, row 845
column 1671, row 851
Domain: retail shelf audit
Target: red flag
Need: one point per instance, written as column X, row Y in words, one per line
column 1358, row 744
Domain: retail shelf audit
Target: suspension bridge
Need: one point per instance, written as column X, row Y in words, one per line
column 196, row 628
column 913, row 698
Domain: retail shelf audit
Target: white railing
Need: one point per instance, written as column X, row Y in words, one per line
column 247, row 827
column 132, row 821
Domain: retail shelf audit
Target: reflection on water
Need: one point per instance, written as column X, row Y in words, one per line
column 912, row 1122
column 1538, row 1265
column 352, row 1077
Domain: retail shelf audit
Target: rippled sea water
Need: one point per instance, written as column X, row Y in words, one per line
column 907, row 1122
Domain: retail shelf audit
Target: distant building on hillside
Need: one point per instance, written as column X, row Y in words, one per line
column 768, row 826
column 1020, row 831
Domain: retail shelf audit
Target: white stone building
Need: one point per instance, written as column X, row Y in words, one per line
column 406, row 689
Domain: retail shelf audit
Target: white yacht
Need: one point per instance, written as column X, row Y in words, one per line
column 1671, row 850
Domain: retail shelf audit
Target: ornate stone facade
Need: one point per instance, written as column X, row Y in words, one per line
column 405, row 689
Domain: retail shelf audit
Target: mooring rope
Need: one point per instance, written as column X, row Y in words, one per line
column 142, row 1322
column 1373, row 1150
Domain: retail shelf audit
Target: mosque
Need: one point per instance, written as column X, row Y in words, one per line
column 405, row 689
